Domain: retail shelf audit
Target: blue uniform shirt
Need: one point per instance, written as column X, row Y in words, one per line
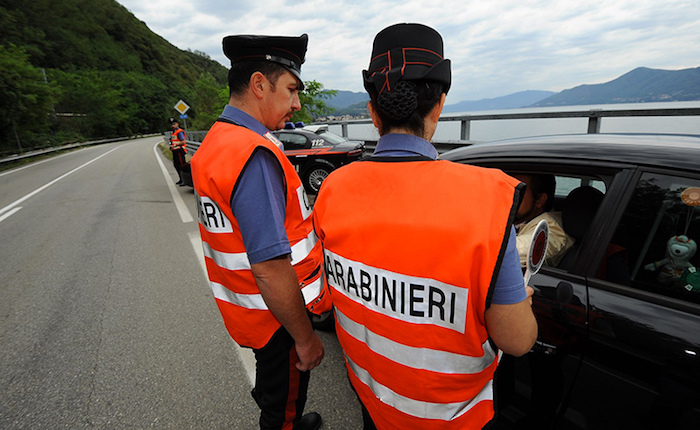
column 259, row 203
column 510, row 285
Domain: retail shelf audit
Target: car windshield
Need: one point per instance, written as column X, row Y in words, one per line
column 332, row 137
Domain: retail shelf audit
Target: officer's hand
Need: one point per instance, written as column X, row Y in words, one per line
column 310, row 353
column 530, row 291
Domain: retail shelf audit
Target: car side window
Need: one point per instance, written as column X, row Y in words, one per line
column 292, row 141
column 576, row 201
column 654, row 247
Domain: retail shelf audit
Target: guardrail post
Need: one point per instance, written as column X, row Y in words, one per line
column 344, row 128
column 466, row 129
column 594, row 123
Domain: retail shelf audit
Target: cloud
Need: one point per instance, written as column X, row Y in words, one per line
column 497, row 47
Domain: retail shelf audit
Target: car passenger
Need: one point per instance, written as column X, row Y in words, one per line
column 536, row 206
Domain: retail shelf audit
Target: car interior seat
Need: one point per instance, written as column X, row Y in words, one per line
column 580, row 207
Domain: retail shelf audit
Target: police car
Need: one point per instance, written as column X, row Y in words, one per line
column 315, row 152
column 619, row 315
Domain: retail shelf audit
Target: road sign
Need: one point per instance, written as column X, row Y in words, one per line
column 183, row 116
column 181, row 107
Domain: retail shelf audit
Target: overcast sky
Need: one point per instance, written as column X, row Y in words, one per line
column 497, row 47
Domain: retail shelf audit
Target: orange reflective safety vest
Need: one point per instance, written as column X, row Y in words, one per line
column 175, row 140
column 216, row 167
column 412, row 249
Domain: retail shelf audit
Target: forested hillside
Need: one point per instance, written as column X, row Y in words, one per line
column 87, row 69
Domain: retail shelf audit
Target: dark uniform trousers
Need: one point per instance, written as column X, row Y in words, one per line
column 178, row 160
column 280, row 388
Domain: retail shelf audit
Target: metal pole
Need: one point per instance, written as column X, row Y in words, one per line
column 466, row 129
column 594, row 122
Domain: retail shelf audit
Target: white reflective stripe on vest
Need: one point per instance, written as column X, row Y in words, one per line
column 417, row 358
column 248, row 301
column 303, row 248
column 239, row 260
column 255, row 301
column 417, row 408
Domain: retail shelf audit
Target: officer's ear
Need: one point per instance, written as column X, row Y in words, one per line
column 257, row 84
column 541, row 201
column 373, row 114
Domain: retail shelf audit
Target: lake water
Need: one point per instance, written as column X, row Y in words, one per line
column 505, row 129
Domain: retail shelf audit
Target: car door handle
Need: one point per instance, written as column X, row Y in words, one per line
column 565, row 292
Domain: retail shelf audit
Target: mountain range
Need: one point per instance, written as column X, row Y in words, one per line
column 641, row 85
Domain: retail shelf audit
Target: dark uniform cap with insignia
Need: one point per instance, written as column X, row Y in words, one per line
column 406, row 52
column 285, row 50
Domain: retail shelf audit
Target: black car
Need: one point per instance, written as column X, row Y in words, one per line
column 315, row 152
column 619, row 316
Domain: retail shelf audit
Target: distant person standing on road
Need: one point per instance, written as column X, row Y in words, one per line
column 178, row 146
column 263, row 259
column 420, row 255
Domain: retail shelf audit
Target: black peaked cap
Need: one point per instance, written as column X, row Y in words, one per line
column 406, row 52
column 285, row 50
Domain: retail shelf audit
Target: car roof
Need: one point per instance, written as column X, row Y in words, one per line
column 297, row 131
column 662, row 150
column 316, row 128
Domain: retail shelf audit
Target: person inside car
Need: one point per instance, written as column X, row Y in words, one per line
column 536, row 206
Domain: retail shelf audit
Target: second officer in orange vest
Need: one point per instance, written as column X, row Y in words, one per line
column 420, row 255
column 262, row 256
column 178, row 146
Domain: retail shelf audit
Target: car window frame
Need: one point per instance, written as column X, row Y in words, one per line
column 621, row 175
column 629, row 291
column 307, row 143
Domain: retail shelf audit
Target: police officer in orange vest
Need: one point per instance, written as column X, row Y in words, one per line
column 420, row 255
column 262, row 256
column 178, row 146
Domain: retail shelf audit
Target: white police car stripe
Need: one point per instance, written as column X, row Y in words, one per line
column 417, row 408
column 417, row 358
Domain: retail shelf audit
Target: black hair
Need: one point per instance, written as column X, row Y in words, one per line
column 240, row 73
column 406, row 105
column 543, row 183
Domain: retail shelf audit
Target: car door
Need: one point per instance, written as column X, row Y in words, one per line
column 532, row 391
column 296, row 148
column 641, row 367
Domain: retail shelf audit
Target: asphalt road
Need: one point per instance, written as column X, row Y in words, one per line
column 106, row 320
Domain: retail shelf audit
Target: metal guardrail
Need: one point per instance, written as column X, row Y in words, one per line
column 594, row 116
column 34, row 153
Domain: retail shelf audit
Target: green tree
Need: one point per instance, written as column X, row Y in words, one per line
column 26, row 101
column 312, row 102
column 209, row 98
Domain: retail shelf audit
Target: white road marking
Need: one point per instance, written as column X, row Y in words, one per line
column 179, row 203
column 42, row 188
column 34, row 164
column 9, row 214
column 246, row 355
